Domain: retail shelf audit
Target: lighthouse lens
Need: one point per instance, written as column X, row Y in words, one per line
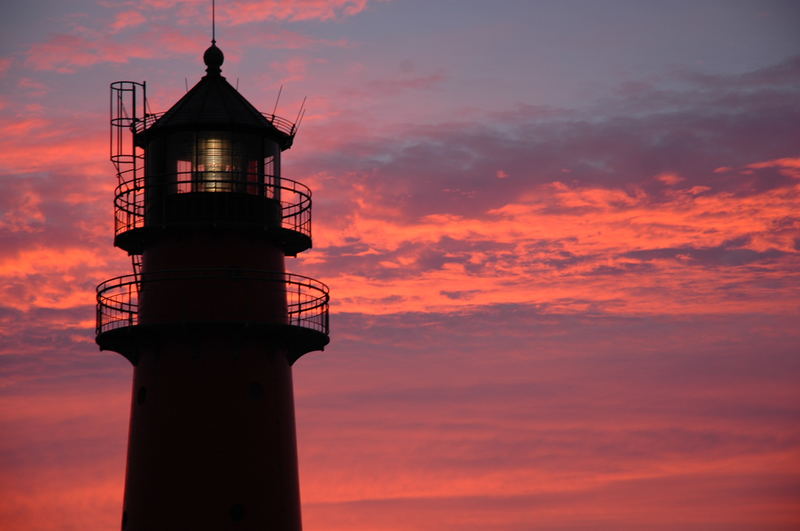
column 216, row 165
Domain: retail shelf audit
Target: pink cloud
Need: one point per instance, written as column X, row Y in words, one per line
column 670, row 179
column 244, row 11
column 5, row 65
column 66, row 53
column 78, row 482
column 405, row 81
column 292, row 69
column 127, row 19
column 86, row 47
column 32, row 88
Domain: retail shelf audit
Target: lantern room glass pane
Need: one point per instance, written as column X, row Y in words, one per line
column 183, row 177
column 269, row 177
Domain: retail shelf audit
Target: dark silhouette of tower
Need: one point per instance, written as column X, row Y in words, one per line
column 209, row 318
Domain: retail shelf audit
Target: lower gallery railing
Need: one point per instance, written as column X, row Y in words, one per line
column 118, row 299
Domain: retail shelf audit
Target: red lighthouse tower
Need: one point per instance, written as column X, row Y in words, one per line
column 209, row 318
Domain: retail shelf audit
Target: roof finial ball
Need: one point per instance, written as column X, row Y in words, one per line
column 213, row 58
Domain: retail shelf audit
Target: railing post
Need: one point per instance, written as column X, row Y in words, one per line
column 131, row 286
column 98, row 319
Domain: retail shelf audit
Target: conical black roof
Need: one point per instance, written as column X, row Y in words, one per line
column 214, row 104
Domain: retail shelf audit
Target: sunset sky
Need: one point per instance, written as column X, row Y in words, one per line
column 562, row 240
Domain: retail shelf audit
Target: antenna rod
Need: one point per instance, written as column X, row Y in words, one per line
column 274, row 109
column 300, row 110
column 213, row 22
column 299, row 121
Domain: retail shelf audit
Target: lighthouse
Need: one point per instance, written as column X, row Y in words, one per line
column 209, row 318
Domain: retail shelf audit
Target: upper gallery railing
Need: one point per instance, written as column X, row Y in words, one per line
column 132, row 196
column 281, row 124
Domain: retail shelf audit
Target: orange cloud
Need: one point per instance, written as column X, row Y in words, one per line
column 787, row 166
column 670, row 179
column 25, row 215
column 35, row 144
column 56, row 269
column 568, row 246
